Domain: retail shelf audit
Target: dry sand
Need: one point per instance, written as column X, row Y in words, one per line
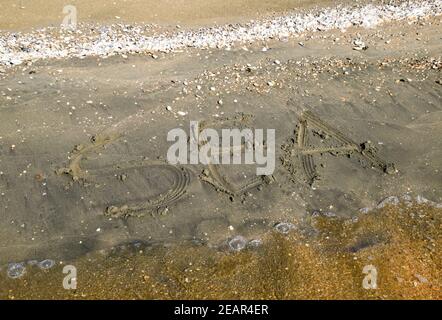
column 25, row 14
column 83, row 168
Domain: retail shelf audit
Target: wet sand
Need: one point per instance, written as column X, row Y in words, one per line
column 83, row 168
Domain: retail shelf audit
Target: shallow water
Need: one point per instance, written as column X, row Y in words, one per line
column 402, row 243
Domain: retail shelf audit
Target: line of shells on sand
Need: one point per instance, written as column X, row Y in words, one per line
column 95, row 40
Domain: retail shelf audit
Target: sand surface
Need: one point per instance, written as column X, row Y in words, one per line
column 25, row 14
column 83, row 141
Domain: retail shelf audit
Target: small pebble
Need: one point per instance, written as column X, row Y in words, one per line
column 284, row 227
column 46, row 264
column 237, row 243
column 16, row 270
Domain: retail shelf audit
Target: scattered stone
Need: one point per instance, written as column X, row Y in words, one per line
column 284, row 227
column 329, row 214
column 237, row 243
column 255, row 243
column 46, row 264
column 359, row 45
column 16, row 270
column 163, row 211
